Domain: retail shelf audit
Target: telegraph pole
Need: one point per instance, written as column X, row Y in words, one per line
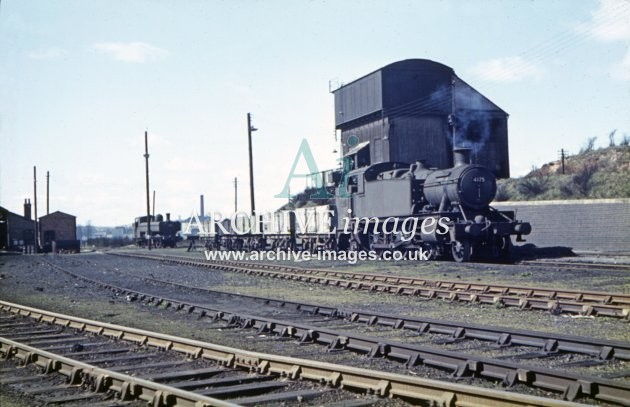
column 251, row 129
column 563, row 156
column 47, row 192
column 235, row 194
column 146, row 156
column 35, row 199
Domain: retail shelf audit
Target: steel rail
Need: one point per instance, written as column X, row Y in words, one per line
column 539, row 292
column 547, row 342
column 536, row 292
column 103, row 380
column 524, row 298
column 570, row 385
column 380, row 383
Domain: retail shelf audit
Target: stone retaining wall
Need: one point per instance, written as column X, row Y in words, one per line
column 586, row 225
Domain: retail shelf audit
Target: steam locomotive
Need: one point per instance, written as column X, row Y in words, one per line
column 451, row 206
column 390, row 206
column 164, row 233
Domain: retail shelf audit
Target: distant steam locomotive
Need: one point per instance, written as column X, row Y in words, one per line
column 390, row 206
column 164, row 233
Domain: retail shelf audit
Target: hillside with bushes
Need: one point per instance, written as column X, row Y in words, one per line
column 591, row 174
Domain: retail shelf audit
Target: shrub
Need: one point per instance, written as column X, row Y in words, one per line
column 582, row 180
column 567, row 190
column 533, row 186
column 502, row 193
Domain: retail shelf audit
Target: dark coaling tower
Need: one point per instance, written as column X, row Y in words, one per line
column 419, row 110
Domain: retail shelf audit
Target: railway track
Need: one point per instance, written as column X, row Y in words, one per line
column 221, row 371
column 547, row 343
column 587, row 303
column 570, row 386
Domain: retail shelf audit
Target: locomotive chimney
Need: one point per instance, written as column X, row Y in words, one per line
column 168, row 217
column 27, row 209
column 461, row 156
column 201, row 211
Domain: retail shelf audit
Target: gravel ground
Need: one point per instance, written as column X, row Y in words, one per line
column 515, row 274
column 24, row 279
column 606, row 328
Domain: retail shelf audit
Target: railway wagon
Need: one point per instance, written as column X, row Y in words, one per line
column 307, row 228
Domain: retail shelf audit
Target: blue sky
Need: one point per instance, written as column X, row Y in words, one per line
column 80, row 81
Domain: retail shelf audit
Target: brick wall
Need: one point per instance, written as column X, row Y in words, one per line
column 65, row 226
column 592, row 225
column 20, row 230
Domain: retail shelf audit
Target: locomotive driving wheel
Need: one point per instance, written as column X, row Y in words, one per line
column 461, row 250
column 353, row 246
column 430, row 250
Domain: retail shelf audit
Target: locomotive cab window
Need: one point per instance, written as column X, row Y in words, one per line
column 355, row 184
column 352, row 185
column 360, row 179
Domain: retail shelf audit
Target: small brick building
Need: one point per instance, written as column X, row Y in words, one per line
column 60, row 228
column 16, row 231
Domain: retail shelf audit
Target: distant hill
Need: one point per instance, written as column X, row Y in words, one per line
column 601, row 173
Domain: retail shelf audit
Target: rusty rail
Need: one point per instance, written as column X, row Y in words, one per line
column 587, row 303
column 103, row 380
column 502, row 336
column 379, row 383
column 547, row 342
column 570, row 385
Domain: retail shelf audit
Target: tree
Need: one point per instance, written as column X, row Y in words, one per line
column 589, row 146
column 611, row 138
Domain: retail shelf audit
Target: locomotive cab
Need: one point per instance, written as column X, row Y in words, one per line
column 383, row 189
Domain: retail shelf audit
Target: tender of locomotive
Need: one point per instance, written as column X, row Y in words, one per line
column 164, row 233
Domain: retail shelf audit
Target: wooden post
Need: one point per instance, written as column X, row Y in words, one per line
column 146, row 156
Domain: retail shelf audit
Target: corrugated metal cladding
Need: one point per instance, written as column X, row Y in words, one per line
column 421, row 139
column 359, row 98
column 402, row 109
